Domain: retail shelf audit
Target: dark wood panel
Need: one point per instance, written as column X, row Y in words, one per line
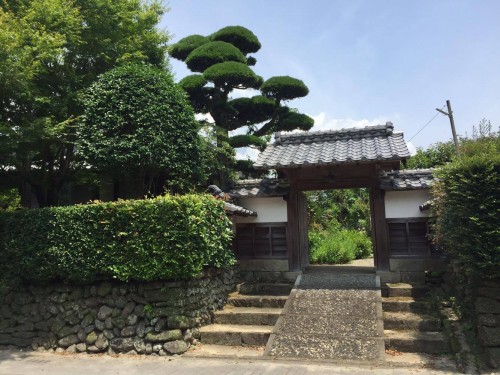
column 261, row 241
column 408, row 237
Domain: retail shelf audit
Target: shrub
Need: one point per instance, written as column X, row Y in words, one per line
column 467, row 207
column 169, row 237
column 9, row 199
column 138, row 123
column 338, row 246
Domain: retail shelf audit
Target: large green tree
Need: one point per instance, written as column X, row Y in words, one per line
column 140, row 128
column 50, row 51
column 221, row 63
column 435, row 155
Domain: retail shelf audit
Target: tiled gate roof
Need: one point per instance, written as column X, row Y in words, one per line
column 373, row 143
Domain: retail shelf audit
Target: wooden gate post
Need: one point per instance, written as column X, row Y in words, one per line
column 379, row 228
column 292, row 235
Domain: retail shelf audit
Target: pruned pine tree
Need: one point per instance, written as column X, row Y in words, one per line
column 221, row 63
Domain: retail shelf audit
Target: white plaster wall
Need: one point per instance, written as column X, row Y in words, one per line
column 404, row 204
column 269, row 210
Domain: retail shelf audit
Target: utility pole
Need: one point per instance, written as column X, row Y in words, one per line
column 452, row 123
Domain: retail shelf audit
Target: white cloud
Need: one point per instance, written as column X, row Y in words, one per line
column 247, row 153
column 411, row 148
column 204, row 116
column 246, row 93
column 323, row 122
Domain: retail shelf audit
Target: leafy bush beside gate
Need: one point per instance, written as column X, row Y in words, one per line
column 169, row 237
column 467, row 206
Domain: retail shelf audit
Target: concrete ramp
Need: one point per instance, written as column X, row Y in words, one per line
column 331, row 315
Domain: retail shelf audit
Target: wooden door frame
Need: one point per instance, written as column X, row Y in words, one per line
column 297, row 226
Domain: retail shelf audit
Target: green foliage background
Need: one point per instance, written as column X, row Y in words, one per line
column 169, row 237
column 339, row 225
column 50, row 51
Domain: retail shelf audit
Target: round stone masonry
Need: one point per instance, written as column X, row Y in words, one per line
column 159, row 318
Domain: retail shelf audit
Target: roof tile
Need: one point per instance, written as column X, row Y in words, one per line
column 334, row 147
column 411, row 179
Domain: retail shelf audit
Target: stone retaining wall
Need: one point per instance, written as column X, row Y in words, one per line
column 136, row 318
column 480, row 301
column 487, row 306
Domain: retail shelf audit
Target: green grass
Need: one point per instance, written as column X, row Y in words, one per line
column 335, row 246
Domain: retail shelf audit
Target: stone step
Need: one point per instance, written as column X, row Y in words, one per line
column 416, row 342
column 235, row 335
column 247, row 315
column 242, row 300
column 405, row 290
column 440, row 363
column 224, row 351
column 404, row 304
column 322, row 268
column 273, row 289
column 402, row 321
column 326, row 346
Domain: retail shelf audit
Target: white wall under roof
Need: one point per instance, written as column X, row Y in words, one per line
column 269, row 210
column 405, row 203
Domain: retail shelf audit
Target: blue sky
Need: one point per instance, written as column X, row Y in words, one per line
column 369, row 61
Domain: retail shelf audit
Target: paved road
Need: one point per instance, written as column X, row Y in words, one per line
column 17, row 363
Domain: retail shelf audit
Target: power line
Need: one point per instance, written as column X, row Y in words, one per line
column 428, row 122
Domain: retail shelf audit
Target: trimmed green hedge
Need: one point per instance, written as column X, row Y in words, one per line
column 169, row 237
column 467, row 207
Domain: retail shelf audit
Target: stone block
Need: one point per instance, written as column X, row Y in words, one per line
column 489, row 336
column 5, row 339
column 418, row 265
column 290, row 276
column 171, row 335
column 389, row 277
column 160, row 325
column 490, row 320
column 487, row 305
column 122, row 344
column 87, row 320
column 132, row 319
column 413, row 277
column 493, row 283
column 65, row 331
column 128, row 309
column 180, row 321
column 99, row 324
column 102, row 342
column 139, row 346
column 24, row 335
column 267, row 275
column 176, row 347
column 493, row 357
column 163, row 311
column 264, row 265
column 120, row 301
column 104, row 312
column 493, row 293
column 119, row 322
column 104, row 289
column 91, row 338
column 93, row 349
column 158, row 295
column 68, row 340
column 128, row 331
